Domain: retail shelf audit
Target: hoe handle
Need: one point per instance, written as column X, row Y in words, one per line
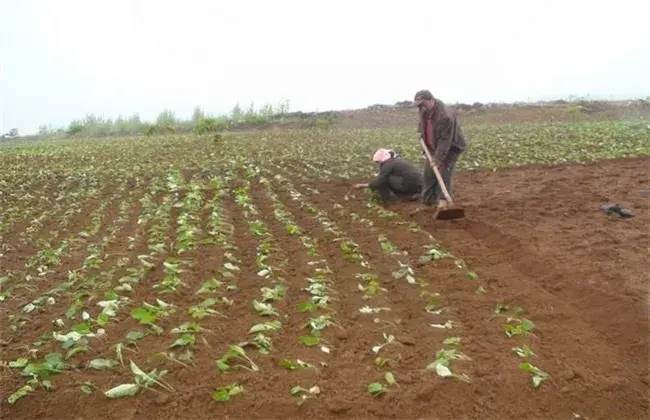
column 436, row 171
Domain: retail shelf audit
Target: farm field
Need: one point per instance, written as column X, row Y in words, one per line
column 187, row 277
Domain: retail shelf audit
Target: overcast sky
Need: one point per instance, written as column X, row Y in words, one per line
column 62, row 59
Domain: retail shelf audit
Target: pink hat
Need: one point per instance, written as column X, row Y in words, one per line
column 382, row 155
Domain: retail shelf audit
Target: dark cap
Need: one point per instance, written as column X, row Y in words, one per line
column 422, row 95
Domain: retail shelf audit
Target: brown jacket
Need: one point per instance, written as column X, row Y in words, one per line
column 444, row 131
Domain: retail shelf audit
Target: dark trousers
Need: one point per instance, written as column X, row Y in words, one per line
column 432, row 192
column 397, row 187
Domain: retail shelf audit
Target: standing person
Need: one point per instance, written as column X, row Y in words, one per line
column 440, row 129
column 397, row 176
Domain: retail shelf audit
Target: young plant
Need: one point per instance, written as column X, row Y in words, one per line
column 235, row 352
column 377, row 388
column 141, row 381
column 301, row 394
column 225, row 393
column 538, row 374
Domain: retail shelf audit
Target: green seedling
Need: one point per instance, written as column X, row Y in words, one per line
column 185, row 358
column 318, row 324
column 38, row 374
column 405, row 271
column 434, row 304
column 524, row 351
column 265, row 326
column 301, row 394
column 388, row 247
column 451, row 341
column 225, row 393
column 388, row 339
column 262, row 342
column 382, row 361
column 264, row 309
column 142, row 381
column 377, row 388
column 204, row 309
column 522, row 328
column 538, row 374
column 275, row 294
column 432, row 254
column 443, row 362
column 102, row 364
column 235, row 352
column 349, row 250
column 309, row 340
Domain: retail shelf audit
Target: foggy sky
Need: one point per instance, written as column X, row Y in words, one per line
column 62, row 59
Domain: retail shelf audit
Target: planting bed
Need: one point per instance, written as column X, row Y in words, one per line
column 238, row 285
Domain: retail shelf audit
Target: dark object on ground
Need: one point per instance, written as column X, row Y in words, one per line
column 615, row 209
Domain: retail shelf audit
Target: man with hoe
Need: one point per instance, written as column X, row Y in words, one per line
column 443, row 137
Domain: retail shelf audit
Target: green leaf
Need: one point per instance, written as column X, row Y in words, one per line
column 102, row 364
column 134, row 335
column 390, row 378
column 124, row 390
column 443, row 370
column 225, row 393
column 308, row 340
column 376, row 388
column 452, row 341
column 21, row 392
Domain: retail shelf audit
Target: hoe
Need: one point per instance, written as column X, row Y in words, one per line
column 452, row 211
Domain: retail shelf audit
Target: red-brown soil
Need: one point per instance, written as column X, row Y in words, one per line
column 534, row 236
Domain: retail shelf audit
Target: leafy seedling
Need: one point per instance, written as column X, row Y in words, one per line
column 377, row 388
column 301, row 394
column 235, row 352
column 141, row 381
column 434, row 305
column 524, row 351
column 443, row 361
column 451, row 341
column 265, row 327
column 225, row 393
column 405, row 271
column 388, row 339
column 264, row 309
column 523, row 328
column 538, row 374
column 318, row 324
column 102, row 364
column 382, row 361
column 433, row 254
column 275, row 294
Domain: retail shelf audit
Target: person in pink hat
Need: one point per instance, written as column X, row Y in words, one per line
column 397, row 177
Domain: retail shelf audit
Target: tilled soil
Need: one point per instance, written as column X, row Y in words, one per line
column 535, row 237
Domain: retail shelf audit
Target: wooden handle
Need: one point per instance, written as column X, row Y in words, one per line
column 435, row 170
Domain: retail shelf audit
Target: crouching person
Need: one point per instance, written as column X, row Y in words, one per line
column 397, row 177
